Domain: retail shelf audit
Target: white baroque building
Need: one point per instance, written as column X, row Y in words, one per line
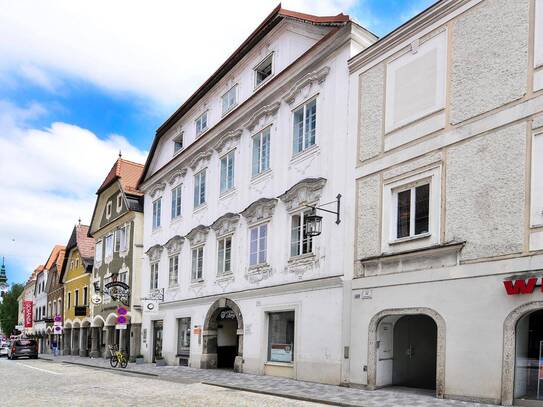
column 235, row 281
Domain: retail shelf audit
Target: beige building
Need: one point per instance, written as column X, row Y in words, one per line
column 446, row 292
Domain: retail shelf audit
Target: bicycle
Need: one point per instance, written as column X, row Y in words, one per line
column 117, row 357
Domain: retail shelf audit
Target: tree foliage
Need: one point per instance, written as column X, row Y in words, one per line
column 9, row 309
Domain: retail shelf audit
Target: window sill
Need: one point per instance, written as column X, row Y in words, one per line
column 177, row 219
column 410, row 238
column 176, row 153
column 204, row 131
column 198, row 282
column 200, row 208
column 261, row 176
column 227, row 193
column 302, row 155
column 281, row 364
column 230, row 109
column 156, row 230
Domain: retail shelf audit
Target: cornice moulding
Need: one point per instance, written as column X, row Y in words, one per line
column 176, row 175
column 263, row 112
column 227, row 141
column 309, row 79
column 198, row 235
column 259, row 210
column 304, row 192
column 200, row 158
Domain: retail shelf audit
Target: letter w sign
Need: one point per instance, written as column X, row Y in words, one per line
column 520, row 286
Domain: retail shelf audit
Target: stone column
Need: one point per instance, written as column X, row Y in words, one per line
column 135, row 341
column 75, row 341
column 123, row 337
column 110, row 339
column 67, row 341
column 83, row 351
column 94, row 353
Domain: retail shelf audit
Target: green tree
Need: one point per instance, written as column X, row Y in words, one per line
column 9, row 309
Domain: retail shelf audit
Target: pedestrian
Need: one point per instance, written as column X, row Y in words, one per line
column 54, row 346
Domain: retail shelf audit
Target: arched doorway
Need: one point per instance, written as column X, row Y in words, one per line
column 223, row 336
column 528, row 385
column 407, row 348
column 521, row 335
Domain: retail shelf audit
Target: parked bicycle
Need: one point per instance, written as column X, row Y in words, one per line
column 117, row 357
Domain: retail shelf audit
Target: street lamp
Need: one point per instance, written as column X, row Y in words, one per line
column 313, row 226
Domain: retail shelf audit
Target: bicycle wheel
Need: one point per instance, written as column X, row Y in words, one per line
column 113, row 361
column 124, row 362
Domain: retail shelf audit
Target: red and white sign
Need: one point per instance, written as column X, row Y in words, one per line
column 27, row 309
column 514, row 287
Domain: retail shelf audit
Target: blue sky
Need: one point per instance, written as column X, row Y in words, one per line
column 82, row 84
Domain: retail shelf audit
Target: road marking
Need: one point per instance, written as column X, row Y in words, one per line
column 37, row 368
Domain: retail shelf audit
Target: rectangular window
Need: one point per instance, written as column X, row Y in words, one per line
column 173, row 276
column 201, row 124
column 281, row 337
column 108, row 210
column 183, row 336
column 109, row 246
column 98, row 252
column 76, row 298
column 157, row 209
column 123, row 277
column 68, row 300
column 261, row 151
column 117, row 240
column 305, row 123
column 123, row 237
column 227, row 171
column 299, row 242
column 176, row 202
column 413, row 211
column 85, row 295
column 178, row 143
column 200, row 189
column 197, row 263
column 263, row 70
column 154, row 276
column 224, row 255
column 258, row 244
column 229, row 99
column 119, row 202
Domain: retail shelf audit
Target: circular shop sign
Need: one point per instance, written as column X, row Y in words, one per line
column 96, row 299
column 150, row 306
column 122, row 311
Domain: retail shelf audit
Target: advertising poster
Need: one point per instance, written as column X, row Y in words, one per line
column 27, row 309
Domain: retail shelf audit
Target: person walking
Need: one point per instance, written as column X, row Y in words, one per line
column 54, row 346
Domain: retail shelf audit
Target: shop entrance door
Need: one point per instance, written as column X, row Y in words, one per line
column 157, row 340
column 529, row 360
column 415, row 351
column 227, row 339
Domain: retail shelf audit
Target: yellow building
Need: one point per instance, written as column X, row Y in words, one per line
column 75, row 275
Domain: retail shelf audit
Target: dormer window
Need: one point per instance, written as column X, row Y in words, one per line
column 264, row 70
column 178, row 143
column 119, row 202
column 108, row 210
column 229, row 99
column 201, row 124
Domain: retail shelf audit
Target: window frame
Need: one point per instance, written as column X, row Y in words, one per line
column 259, row 250
column 178, row 140
column 154, row 276
column 119, row 203
column 264, row 133
column 176, row 201
column 302, row 239
column 99, row 254
column 223, row 259
column 229, row 181
column 269, row 333
column 175, row 259
column 157, row 213
column 199, row 128
column 109, row 237
column 258, row 66
column 198, row 274
column 201, row 194
column 109, row 209
column 303, row 106
column 233, row 88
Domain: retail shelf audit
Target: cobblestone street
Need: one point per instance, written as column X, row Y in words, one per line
column 246, row 386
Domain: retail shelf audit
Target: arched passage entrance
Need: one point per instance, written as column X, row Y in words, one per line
column 522, row 344
column 223, row 336
column 406, row 347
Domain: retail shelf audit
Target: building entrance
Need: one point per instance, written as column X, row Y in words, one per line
column 227, row 339
column 407, row 351
column 528, row 388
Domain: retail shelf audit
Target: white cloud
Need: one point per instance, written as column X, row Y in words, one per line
column 159, row 49
column 48, row 180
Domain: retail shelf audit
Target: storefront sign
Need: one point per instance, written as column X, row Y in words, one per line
column 281, row 352
column 514, row 287
column 80, row 311
column 118, row 291
column 226, row 314
column 27, row 309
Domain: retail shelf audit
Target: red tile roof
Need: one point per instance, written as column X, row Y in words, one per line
column 53, row 256
column 128, row 172
column 34, row 274
column 85, row 244
column 264, row 28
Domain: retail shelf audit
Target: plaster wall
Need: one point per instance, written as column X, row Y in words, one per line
column 489, row 57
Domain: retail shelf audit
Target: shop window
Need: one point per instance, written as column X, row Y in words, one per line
column 529, row 358
column 281, row 337
column 183, row 336
column 300, row 243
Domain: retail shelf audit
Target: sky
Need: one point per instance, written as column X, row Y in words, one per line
column 82, row 80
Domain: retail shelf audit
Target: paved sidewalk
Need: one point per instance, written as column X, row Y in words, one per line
column 290, row 388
